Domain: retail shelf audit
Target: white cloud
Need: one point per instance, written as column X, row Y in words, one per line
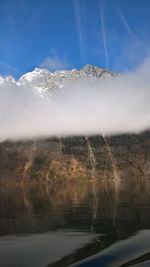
column 117, row 105
column 54, row 62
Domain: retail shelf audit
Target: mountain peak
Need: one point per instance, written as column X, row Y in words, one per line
column 92, row 70
column 90, row 67
column 46, row 83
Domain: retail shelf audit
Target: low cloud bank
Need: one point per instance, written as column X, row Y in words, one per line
column 111, row 106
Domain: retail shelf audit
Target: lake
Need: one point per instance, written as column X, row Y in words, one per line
column 84, row 223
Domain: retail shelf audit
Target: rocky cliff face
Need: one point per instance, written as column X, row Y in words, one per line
column 56, row 159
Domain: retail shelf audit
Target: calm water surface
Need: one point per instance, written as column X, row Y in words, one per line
column 75, row 224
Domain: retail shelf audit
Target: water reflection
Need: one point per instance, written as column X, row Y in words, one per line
column 111, row 210
column 124, row 253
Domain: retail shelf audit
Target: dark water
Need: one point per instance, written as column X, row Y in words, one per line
column 75, row 224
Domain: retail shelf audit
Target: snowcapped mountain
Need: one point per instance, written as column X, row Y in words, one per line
column 8, row 79
column 45, row 83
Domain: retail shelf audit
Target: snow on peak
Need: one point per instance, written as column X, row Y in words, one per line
column 46, row 83
column 8, row 79
column 33, row 75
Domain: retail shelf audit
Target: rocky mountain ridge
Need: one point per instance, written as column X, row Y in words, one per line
column 45, row 83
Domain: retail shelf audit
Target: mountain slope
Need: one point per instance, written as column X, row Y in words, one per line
column 124, row 156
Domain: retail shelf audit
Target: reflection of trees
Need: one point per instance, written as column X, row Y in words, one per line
column 105, row 207
column 37, row 205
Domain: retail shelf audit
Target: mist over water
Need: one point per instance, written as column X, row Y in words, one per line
column 84, row 107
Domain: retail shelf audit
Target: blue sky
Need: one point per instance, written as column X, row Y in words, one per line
column 58, row 34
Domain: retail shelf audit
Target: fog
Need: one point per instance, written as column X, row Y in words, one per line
column 110, row 106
